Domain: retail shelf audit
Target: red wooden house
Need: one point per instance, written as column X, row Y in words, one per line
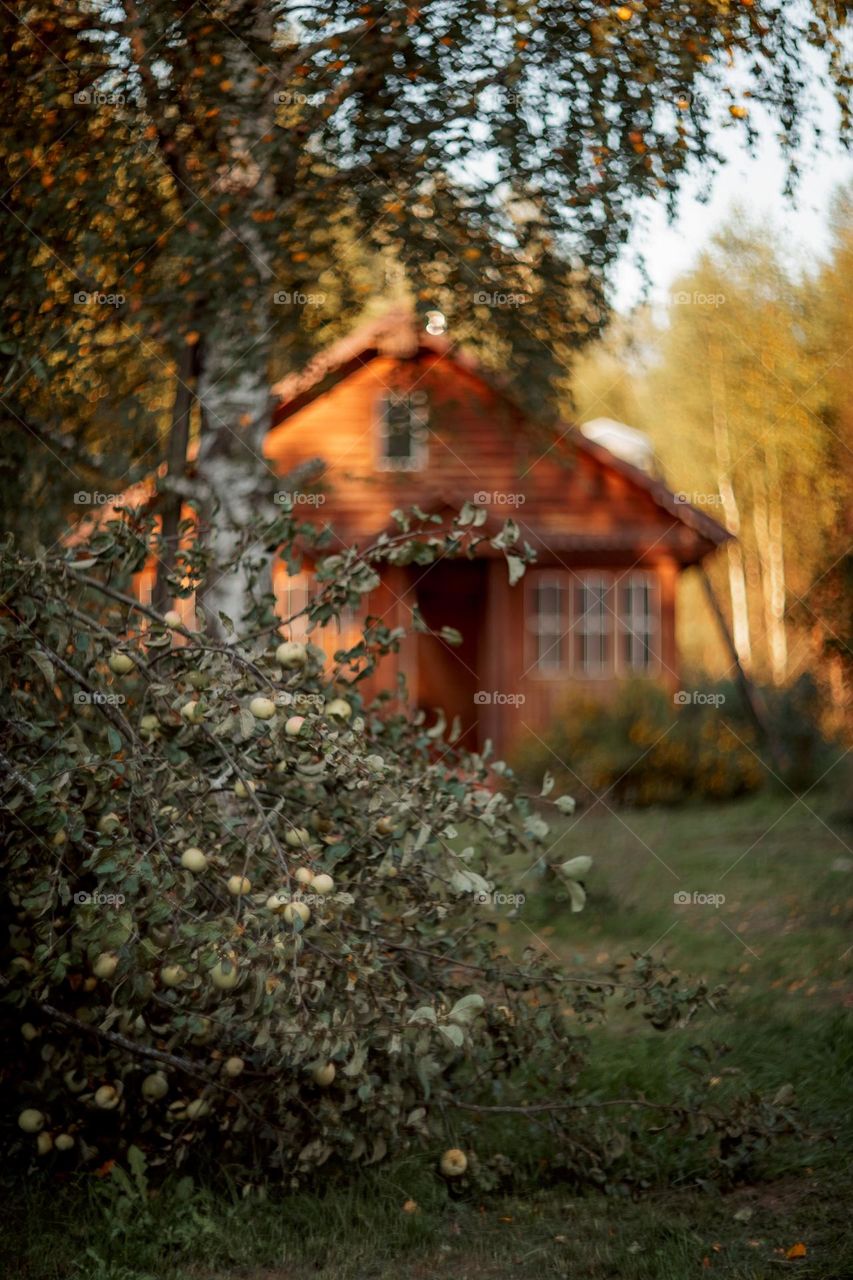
column 400, row 416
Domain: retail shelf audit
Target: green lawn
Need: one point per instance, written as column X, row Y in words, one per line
column 782, row 942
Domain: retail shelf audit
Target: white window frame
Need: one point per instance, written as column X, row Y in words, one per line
column 416, row 459
column 558, row 625
column 587, row 625
column 634, row 628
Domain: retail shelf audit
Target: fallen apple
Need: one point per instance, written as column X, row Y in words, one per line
column 454, row 1163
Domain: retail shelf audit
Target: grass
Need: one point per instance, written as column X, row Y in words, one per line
column 782, row 943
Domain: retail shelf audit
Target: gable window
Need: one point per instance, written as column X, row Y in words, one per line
column 638, row 622
column 591, row 627
column 404, row 417
column 547, row 622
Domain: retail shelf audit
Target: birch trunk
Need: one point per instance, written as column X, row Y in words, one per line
column 767, row 523
column 731, row 511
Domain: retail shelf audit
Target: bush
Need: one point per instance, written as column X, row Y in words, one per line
column 258, row 938
column 643, row 748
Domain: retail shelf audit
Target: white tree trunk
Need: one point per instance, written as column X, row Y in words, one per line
column 767, row 523
column 731, row 509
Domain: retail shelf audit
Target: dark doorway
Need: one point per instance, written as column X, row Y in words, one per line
column 452, row 594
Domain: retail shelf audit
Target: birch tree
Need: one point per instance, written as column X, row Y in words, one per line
column 179, row 167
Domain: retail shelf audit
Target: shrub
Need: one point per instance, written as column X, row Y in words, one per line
column 233, row 934
column 643, row 748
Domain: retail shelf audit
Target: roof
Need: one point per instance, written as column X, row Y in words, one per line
column 397, row 333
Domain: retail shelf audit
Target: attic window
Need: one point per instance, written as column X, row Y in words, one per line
column 404, row 417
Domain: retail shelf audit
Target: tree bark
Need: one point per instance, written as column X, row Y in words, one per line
column 731, row 511
column 172, row 485
column 767, row 524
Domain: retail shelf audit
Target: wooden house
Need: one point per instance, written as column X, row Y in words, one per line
column 400, row 416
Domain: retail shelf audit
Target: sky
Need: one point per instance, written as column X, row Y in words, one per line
column 755, row 183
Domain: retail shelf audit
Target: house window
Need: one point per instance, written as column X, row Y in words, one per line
column 591, row 626
column 548, row 623
column 404, row 417
column 638, row 622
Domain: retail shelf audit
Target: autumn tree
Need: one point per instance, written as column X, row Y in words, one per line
column 180, row 169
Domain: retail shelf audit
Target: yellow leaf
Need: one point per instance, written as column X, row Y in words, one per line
column 797, row 1250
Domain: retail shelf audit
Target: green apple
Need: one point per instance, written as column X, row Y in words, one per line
column 303, row 876
column 242, row 789
column 28, row 1031
column 385, row 826
column 108, row 823
column 239, row 885
column 297, row 909
column 149, row 724
column 277, row 901
column 197, row 679
column 225, row 975
column 338, row 709
column 293, row 725
column 197, row 1109
column 120, row 663
column 191, row 712
column 233, row 1067
column 172, row 618
column 155, row 1087
column 107, row 1097
column 297, row 837
column 324, row 1075
column 172, row 975
column 31, row 1121
column 262, row 708
column 64, row 1142
column 44, row 1144
column 105, row 965
column 323, row 884
column 454, row 1163
column 291, row 654
column 193, row 860
column 60, row 838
